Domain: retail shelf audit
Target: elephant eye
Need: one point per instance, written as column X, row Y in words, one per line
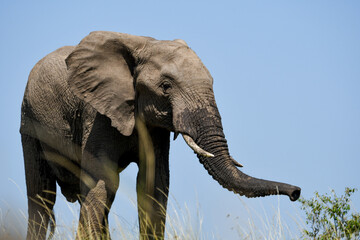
column 166, row 86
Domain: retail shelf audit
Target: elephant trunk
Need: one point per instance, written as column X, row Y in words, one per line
column 212, row 150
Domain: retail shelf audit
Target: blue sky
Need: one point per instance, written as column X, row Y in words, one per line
column 286, row 81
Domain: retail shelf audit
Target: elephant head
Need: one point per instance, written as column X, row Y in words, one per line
column 165, row 83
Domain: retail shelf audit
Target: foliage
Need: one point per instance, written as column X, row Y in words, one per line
column 329, row 216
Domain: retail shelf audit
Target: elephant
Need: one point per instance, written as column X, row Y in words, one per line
column 92, row 109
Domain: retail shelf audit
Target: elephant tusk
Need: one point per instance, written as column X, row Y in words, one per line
column 236, row 163
column 176, row 134
column 198, row 150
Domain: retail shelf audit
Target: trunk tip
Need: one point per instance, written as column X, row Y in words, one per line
column 295, row 194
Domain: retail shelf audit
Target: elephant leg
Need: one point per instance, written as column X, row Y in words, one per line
column 152, row 196
column 98, row 195
column 41, row 189
column 99, row 181
column 93, row 223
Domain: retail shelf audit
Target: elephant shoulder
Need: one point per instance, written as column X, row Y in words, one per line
column 47, row 98
column 52, row 65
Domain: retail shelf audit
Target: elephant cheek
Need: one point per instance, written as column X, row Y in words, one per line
column 196, row 122
column 155, row 111
column 183, row 122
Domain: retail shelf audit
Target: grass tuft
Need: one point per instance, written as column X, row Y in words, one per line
column 181, row 223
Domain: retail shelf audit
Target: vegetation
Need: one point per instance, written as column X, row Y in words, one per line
column 329, row 216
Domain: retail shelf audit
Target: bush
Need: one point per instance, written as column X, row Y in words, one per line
column 329, row 216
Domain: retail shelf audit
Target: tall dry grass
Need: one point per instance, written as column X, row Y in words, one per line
column 181, row 223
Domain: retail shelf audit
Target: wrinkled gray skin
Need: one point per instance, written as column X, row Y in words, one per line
column 78, row 128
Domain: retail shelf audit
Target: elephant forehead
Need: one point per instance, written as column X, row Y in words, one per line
column 185, row 68
column 191, row 65
column 178, row 61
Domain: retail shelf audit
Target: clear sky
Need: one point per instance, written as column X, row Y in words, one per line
column 287, row 83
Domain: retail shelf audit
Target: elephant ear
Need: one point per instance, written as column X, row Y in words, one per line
column 101, row 73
